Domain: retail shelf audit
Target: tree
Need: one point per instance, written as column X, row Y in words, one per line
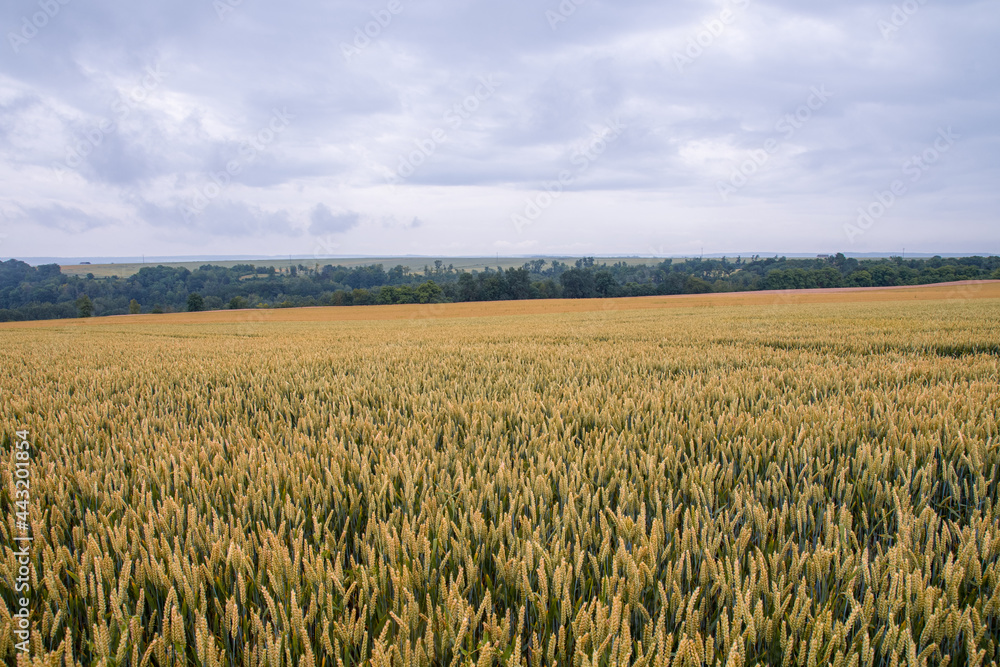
column 695, row 285
column 397, row 274
column 860, row 278
column 518, row 283
column 134, row 308
column 605, row 284
column 577, row 283
column 546, row 289
column 468, row 289
column 84, row 306
column 885, row 275
column 429, row 292
column 361, row 297
column 364, row 277
column 195, row 302
column 237, row 303
column 536, row 266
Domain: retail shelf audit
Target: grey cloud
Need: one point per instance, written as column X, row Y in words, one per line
column 354, row 119
column 64, row 218
column 324, row 221
column 219, row 219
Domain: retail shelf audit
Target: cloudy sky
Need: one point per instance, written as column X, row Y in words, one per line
column 475, row 128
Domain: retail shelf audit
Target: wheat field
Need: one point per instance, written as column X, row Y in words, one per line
column 759, row 482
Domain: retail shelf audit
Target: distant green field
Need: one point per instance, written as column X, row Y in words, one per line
column 413, row 263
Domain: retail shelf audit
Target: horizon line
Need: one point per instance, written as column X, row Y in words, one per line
column 139, row 259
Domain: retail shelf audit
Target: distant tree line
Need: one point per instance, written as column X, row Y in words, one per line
column 44, row 292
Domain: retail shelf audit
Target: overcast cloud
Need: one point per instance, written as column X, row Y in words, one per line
column 465, row 128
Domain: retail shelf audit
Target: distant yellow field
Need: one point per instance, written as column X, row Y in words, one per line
column 976, row 289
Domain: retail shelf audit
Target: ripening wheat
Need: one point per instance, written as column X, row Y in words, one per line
column 783, row 485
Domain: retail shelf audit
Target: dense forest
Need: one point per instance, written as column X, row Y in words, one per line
column 44, row 292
